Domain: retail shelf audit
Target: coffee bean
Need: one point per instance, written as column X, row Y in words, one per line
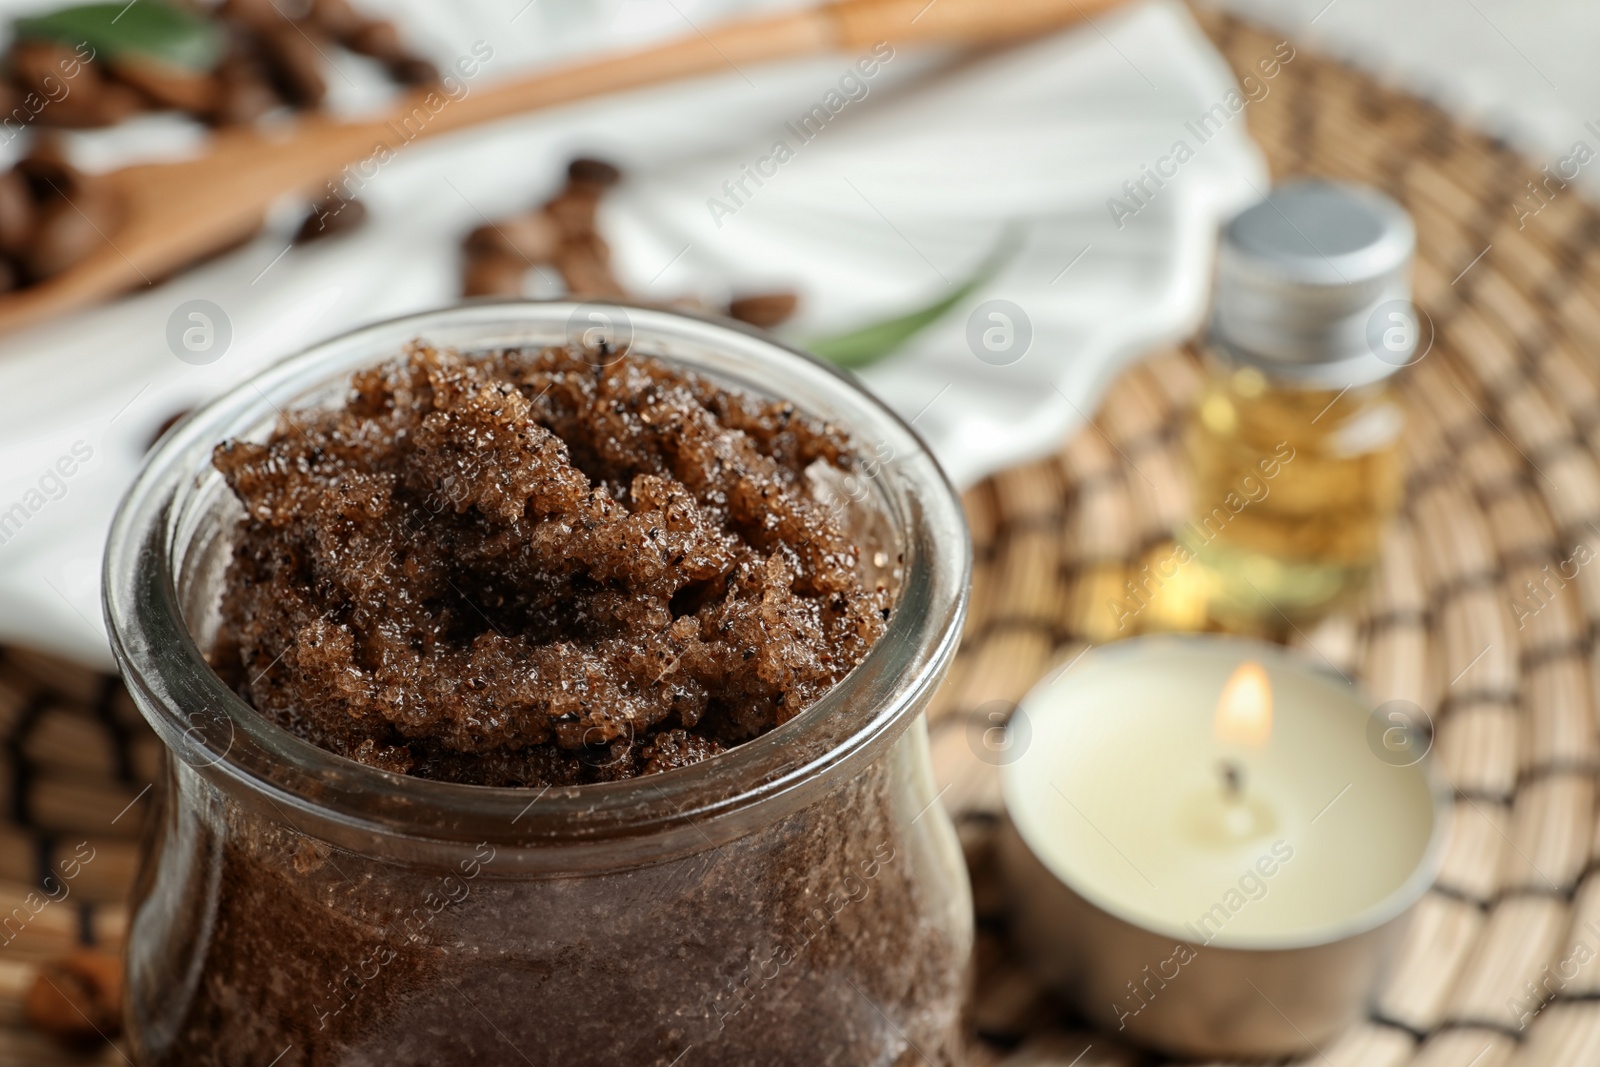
column 258, row 14
column 64, row 236
column 295, row 63
column 765, row 310
column 37, row 67
column 337, row 18
column 92, row 98
column 378, row 39
column 74, row 213
column 16, row 214
column 532, row 238
column 490, row 274
column 169, row 86
column 78, row 999
column 573, row 210
column 46, row 170
column 593, row 172
column 109, row 103
column 244, row 92
column 329, row 218
column 414, row 70
column 118, row 102
column 81, row 108
column 166, row 424
column 585, row 264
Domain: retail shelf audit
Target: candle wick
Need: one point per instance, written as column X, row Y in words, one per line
column 1232, row 778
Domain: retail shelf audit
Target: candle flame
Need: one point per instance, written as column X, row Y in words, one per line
column 1244, row 711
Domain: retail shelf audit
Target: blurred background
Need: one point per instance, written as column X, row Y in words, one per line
column 1013, row 245
column 944, row 179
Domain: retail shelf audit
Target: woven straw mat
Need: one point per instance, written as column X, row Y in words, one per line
column 1503, row 479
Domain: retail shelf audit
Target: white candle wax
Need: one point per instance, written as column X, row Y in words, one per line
column 1119, row 793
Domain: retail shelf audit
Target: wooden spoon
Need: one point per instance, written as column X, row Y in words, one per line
column 173, row 214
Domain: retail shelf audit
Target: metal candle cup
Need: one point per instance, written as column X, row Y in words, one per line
column 1199, row 884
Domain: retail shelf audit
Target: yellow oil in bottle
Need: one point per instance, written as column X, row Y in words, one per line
column 1291, row 489
column 1294, row 441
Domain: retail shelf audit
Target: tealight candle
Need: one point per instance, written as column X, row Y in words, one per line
column 1212, row 844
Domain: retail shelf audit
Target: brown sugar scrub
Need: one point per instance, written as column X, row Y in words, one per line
column 788, row 892
column 535, row 568
column 831, row 937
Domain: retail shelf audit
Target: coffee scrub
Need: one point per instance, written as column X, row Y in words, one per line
column 536, row 701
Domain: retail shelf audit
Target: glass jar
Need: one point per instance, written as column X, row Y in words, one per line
column 799, row 899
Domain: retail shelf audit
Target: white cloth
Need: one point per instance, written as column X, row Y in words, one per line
column 901, row 196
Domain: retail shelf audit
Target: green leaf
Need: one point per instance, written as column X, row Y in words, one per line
column 868, row 344
column 146, row 29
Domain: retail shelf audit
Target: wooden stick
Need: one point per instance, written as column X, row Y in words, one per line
column 176, row 213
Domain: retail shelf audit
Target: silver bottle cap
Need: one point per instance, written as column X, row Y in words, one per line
column 1313, row 285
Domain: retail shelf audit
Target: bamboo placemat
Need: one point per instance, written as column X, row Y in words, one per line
column 1504, row 480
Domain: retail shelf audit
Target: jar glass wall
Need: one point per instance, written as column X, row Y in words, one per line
column 798, row 899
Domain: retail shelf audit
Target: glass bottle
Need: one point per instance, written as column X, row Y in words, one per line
column 1294, row 441
column 799, row 899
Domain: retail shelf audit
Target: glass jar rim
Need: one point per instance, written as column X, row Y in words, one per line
column 211, row 728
